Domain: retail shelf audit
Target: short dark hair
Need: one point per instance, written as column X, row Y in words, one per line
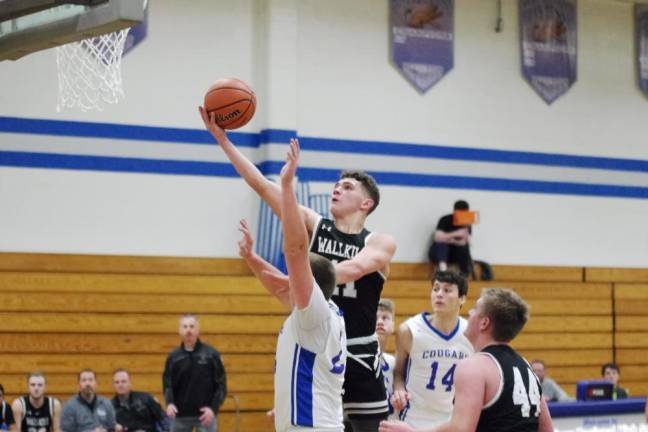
column 507, row 311
column 118, row 370
column 450, row 277
column 461, row 205
column 88, row 370
column 2, row 389
column 610, row 365
column 368, row 183
column 323, row 272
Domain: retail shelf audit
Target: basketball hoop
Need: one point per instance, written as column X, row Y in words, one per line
column 89, row 72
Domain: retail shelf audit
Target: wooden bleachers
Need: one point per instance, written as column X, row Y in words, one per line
column 62, row 313
column 571, row 322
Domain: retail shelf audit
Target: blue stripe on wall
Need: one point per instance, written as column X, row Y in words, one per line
column 125, row 132
column 117, row 164
column 248, row 139
column 471, row 154
column 218, row 169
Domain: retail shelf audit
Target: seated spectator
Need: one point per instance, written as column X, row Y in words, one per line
column 7, row 421
column 451, row 243
column 136, row 411
column 551, row 391
column 35, row 411
column 611, row 372
column 87, row 411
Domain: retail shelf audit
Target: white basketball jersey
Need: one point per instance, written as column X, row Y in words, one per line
column 309, row 369
column 429, row 377
column 387, row 363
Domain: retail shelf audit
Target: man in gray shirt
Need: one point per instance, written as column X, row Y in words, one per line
column 551, row 391
column 87, row 411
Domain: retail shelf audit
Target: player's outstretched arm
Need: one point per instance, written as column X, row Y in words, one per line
column 470, row 387
column 403, row 347
column 269, row 191
column 375, row 256
column 295, row 235
column 263, row 270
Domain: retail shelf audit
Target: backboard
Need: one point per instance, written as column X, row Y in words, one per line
column 28, row 26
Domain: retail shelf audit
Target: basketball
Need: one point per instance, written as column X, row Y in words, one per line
column 232, row 101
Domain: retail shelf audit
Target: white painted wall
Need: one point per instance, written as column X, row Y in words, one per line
column 322, row 68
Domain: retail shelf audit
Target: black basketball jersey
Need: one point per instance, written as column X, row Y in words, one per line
column 358, row 300
column 517, row 407
column 37, row 419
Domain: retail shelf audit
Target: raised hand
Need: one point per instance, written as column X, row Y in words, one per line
column 247, row 242
column 290, row 167
column 210, row 123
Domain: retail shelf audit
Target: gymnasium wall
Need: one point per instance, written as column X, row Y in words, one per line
column 565, row 184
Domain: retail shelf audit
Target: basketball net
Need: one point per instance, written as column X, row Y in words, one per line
column 89, row 72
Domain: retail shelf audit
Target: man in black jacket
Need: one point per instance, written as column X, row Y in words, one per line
column 194, row 381
column 136, row 411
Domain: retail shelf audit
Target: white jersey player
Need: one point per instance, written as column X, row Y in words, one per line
column 310, row 361
column 311, row 350
column 429, row 346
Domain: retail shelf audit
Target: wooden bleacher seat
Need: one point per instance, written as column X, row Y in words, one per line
column 62, row 313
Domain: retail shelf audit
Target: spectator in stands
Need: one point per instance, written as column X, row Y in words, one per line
column 551, row 391
column 384, row 329
column 75, row 418
column 136, row 411
column 611, row 372
column 194, row 381
column 451, row 243
column 7, row 421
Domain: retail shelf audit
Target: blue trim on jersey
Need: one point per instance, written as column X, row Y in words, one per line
column 438, row 332
column 292, row 385
column 403, row 413
column 304, row 388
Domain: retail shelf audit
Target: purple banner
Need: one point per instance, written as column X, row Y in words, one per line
column 548, row 44
column 641, row 28
column 422, row 39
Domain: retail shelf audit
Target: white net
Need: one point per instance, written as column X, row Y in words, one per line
column 89, row 72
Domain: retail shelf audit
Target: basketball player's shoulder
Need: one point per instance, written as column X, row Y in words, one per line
column 383, row 240
column 409, row 324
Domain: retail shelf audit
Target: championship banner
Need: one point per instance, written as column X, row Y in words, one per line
column 641, row 29
column 548, row 43
column 422, row 39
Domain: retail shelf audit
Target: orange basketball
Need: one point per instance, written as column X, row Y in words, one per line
column 232, row 101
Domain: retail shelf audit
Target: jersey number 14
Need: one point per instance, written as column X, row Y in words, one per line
column 447, row 380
